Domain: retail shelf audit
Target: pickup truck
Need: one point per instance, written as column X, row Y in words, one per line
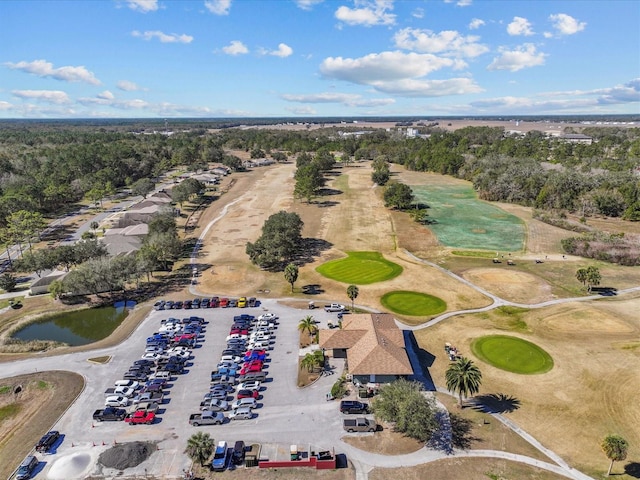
column 334, row 307
column 359, row 424
column 140, row 417
column 148, row 397
column 109, row 414
column 119, row 391
column 206, row 418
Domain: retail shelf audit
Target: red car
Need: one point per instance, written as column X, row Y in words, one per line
column 240, row 331
column 254, row 367
column 248, row 394
column 214, row 302
column 184, row 336
column 224, row 302
column 140, row 417
column 251, row 363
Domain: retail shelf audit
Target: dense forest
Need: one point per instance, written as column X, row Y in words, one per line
column 45, row 167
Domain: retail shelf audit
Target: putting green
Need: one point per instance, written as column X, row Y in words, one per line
column 413, row 303
column 512, row 354
column 360, row 268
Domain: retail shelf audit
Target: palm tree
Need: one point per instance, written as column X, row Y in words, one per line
column 352, row 293
column 463, row 377
column 615, row 448
column 307, row 324
column 200, row 447
column 318, row 358
column 308, row 362
column 291, row 274
column 581, row 275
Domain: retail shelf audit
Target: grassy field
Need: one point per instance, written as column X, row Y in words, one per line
column 360, row 268
column 463, row 221
column 413, row 303
column 512, row 354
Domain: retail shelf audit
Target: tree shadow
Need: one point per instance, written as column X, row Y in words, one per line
column 632, row 469
column 327, row 203
column 461, row 428
column 312, row 289
column 325, row 192
column 495, row 403
column 310, row 248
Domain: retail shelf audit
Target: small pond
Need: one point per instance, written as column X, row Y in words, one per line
column 77, row 328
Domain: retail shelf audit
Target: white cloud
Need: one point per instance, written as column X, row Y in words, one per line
column 42, row 68
column 448, row 42
column 48, row 96
column 5, row 105
column 429, row 88
column 307, row 4
column 476, row 23
column 127, row 86
column 143, row 6
column 306, row 111
column 565, row 24
column 347, row 99
column 106, row 95
column 519, row 26
column 460, row 3
column 236, row 47
column 371, row 13
column 384, row 66
column 163, row 37
column 524, row 56
column 218, row 7
column 283, row 51
column 418, row 13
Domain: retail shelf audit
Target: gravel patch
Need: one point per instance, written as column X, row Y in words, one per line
column 126, row 455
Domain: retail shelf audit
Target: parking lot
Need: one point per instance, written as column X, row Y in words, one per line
column 285, row 413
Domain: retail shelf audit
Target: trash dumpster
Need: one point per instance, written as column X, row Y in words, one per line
column 294, row 452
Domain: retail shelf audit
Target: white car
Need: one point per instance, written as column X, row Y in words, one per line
column 151, row 356
column 127, row 383
column 124, row 391
column 244, row 403
column 251, row 385
column 236, row 336
column 258, row 344
column 231, row 358
column 265, row 325
column 116, row 401
column 153, row 350
column 241, row 414
column 179, row 353
column 272, row 317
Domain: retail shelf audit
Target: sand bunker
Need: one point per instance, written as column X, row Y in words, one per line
column 75, row 465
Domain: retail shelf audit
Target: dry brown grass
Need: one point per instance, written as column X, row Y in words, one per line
column 385, row 442
column 44, row 397
column 467, row 468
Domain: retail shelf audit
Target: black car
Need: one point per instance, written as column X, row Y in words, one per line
column 204, row 303
column 237, row 456
column 353, row 406
column 177, row 304
column 137, row 376
column 47, row 441
column 144, row 363
column 195, row 303
column 173, row 367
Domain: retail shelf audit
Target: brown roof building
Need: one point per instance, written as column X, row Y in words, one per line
column 373, row 346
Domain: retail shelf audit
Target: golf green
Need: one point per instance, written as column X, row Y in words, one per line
column 413, row 303
column 512, row 354
column 360, row 268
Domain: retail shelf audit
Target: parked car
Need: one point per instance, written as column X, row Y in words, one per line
column 251, row 368
column 27, row 467
column 242, row 413
column 224, row 302
column 195, row 303
column 47, row 441
column 353, row 406
column 252, row 355
column 116, row 401
column 204, row 303
column 127, row 383
column 215, row 395
column 268, row 316
column 144, row 362
column 215, row 405
column 159, row 305
column 242, row 302
column 252, row 385
column 238, row 453
column 233, row 303
column 136, row 375
column 247, row 394
column 244, row 403
column 221, row 457
column 252, row 301
column 140, row 417
column 214, row 302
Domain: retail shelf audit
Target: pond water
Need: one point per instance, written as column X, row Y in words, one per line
column 77, row 328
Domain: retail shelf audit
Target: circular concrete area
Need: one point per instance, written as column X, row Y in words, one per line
column 75, row 465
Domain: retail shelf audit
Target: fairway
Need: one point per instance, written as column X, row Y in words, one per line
column 413, row 303
column 463, row 221
column 360, row 268
column 512, row 354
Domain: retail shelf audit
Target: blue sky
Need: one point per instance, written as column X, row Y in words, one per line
column 221, row 58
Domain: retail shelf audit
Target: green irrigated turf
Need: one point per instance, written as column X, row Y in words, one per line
column 413, row 303
column 360, row 268
column 461, row 220
column 512, row 354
